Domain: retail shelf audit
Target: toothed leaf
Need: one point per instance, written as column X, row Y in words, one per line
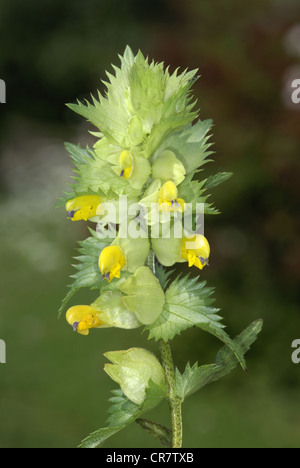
column 194, row 378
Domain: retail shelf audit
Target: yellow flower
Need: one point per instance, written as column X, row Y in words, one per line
column 125, row 164
column 84, row 207
column 168, row 198
column 83, row 318
column 195, row 250
column 111, row 262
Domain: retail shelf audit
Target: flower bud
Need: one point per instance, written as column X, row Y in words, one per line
column 132, row 369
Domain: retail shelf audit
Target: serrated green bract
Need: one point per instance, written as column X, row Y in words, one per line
column 190, row 145
column 188, row 304
column 87, row 274
column 78, row 154
column 122, row 413
column 217, row 179
column 193, row 379
column 142, row 105
column 99, row 175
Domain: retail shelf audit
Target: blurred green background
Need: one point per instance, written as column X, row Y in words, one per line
column 53, row 391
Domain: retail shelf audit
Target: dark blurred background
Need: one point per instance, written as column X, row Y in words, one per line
column 53, row 391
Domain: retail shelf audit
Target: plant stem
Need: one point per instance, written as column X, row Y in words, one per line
column 174, row 400
column 168, row 366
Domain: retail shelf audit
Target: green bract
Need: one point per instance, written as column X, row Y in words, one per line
column 167, row 167
column 144, row 295
column 141, row 183
column 132, row 370
column 114, row 312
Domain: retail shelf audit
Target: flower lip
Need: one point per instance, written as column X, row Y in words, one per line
column 71, row 214
column 75, row 326
column 175, row 202
column 204, row 261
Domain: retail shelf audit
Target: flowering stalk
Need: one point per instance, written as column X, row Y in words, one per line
column 174, row 400
column 169, row 370
column 147, row 152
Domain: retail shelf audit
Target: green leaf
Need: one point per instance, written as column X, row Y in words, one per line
column 227, row 359
column 99, row 175
column 78, row 154
column 105, row 115
column 217, row 179
column 188, row 304
column 225, row 338
column 122, row 413
column 97, row 438
column 190, row 145
column 163, row 275
column 194, row 378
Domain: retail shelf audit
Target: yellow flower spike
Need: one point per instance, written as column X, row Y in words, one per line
column 84, row 207
column 125, row 164
column 83, row 318
column 111, row 262
column 168, row 198
column 195, row 250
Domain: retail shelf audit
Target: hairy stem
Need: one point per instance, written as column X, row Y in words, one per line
column 174, row 400
column 168, row 366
